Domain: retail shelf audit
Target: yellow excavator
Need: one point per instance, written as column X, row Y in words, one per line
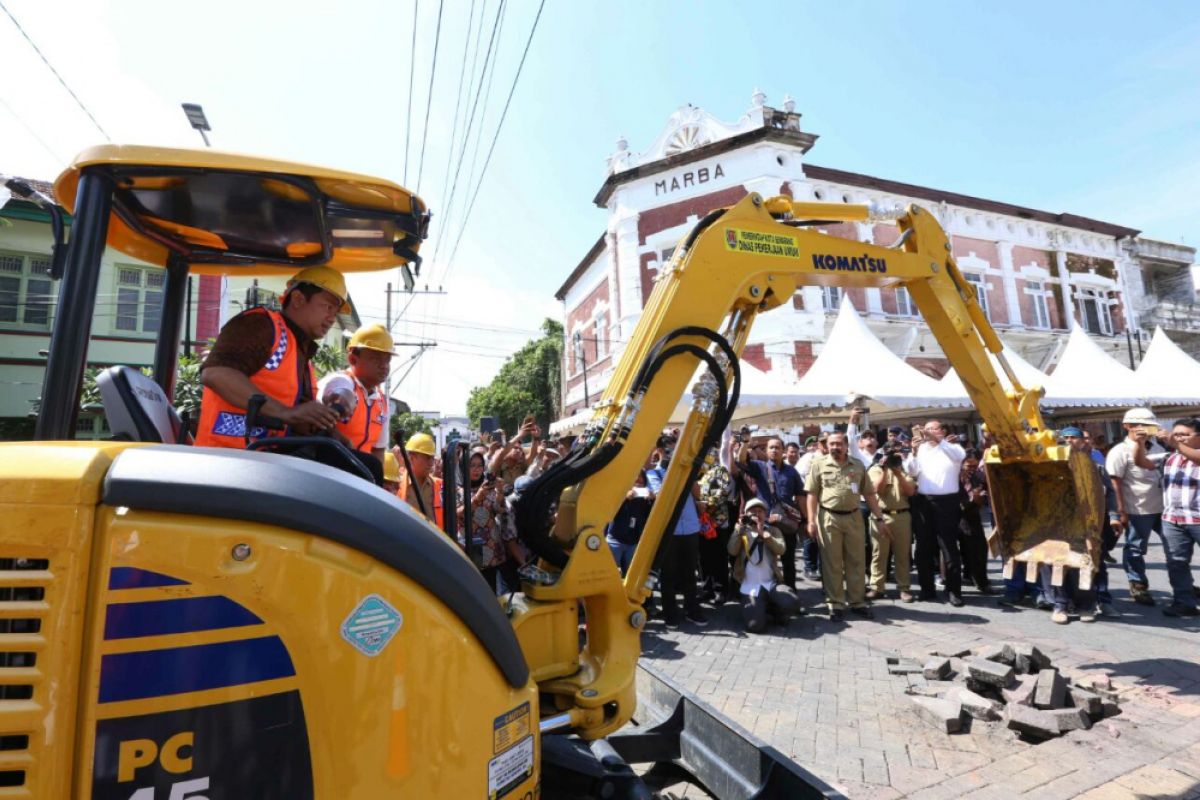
column 184, row 623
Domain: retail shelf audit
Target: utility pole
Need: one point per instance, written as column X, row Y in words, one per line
column 579, row 354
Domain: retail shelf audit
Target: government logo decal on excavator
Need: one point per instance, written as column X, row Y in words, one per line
column 761, row 244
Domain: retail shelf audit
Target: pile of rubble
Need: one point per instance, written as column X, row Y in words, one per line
column 1013, row 683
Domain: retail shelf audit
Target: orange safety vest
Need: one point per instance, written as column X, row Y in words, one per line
column 439, row 515
column 362, row 429
column 223, row 424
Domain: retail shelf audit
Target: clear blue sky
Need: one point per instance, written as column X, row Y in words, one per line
column 1092, row 108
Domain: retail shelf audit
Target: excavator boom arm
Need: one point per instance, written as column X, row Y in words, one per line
column 736, row 263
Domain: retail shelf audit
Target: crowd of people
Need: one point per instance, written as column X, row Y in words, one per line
column 854, row 511
column 853, row 506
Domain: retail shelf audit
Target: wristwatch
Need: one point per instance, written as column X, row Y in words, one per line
column 877, row 518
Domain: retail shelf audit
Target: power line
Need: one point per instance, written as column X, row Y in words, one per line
column 492, row 149
column 437, row 37
column 470, row 123
column 462, row 74
column 487, row 96
column 32, row 132
column 50, row 67
column 412, row 69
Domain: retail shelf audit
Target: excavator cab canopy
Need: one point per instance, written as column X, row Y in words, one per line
column 209, row 212
column 226, row 213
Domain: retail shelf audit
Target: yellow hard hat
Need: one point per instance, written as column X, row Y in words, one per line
column 327, row 278
column 391, row 467
column 421, row 443
column 373, row 337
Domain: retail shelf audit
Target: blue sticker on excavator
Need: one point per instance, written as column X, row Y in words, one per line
column 134, row 578
column 179, row 670
column 175, row 615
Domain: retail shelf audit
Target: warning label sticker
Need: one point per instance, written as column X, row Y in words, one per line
column 509, row 769
column 761, row 244
column 510, row 728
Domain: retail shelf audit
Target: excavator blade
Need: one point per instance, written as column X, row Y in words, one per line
column 1048, row 512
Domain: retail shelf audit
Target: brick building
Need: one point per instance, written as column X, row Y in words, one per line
column 1036, row 273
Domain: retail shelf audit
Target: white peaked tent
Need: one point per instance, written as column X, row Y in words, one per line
column 1086, row 376
column 1167, row 375
column 1026, row 373
column 854, row 363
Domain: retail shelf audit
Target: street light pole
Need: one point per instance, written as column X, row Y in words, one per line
column 195, row 115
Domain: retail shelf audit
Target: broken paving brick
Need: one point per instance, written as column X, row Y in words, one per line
column 945, row 715
column 1029, row 659
column 1022, row 693
column 1002, row 653
column 974, row 704
column 936, row 669
column 1071, row 719
column 1032, row 722
column 903, row 666
column 993, row 673
column 1090, row 702
column 1051, row 690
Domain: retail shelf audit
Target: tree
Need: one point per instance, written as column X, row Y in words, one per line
column 410, row 423
column 329, row 359
column 530, row 382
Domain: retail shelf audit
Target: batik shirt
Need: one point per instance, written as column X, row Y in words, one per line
column 716, row 490
column 490, row 523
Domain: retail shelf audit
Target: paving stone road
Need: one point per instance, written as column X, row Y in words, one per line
column 821, row 693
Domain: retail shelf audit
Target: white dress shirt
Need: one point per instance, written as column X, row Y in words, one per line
column 938, row 466
column 852, row 442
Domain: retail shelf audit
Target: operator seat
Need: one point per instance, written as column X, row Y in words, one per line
column 137, row 408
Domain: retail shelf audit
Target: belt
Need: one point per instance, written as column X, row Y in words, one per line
column 894, row 510
column 835, row 511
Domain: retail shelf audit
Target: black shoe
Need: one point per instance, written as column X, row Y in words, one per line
column 673, row 620
column 1108, row 559
column 955, row 600
column 929, row 597
column 1180, row 610
column 863, row 611
column 987, row 590
column 836, row 615
column 696, row 616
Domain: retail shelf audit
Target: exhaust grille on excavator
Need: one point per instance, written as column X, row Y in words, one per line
column 23, row 607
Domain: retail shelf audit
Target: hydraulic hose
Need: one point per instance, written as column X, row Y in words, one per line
column 533, row 506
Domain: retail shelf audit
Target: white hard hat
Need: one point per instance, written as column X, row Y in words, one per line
column 1139, row 416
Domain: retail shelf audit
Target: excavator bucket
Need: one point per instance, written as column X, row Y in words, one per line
column 1048, row 512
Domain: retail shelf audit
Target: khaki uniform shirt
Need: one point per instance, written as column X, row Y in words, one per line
column 410, row 496
column 890, row 496
column 837, row 487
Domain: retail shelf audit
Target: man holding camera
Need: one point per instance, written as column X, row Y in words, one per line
column 835, row 483
column 778, row 487
column 1133, row 469
column 756, row 547
column 894, row 487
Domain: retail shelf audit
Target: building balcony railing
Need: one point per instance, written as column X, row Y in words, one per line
column 1172, row 316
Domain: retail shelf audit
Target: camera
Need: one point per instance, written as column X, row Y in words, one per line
column 892, row 457
column 489, row 479
column 748, row 520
